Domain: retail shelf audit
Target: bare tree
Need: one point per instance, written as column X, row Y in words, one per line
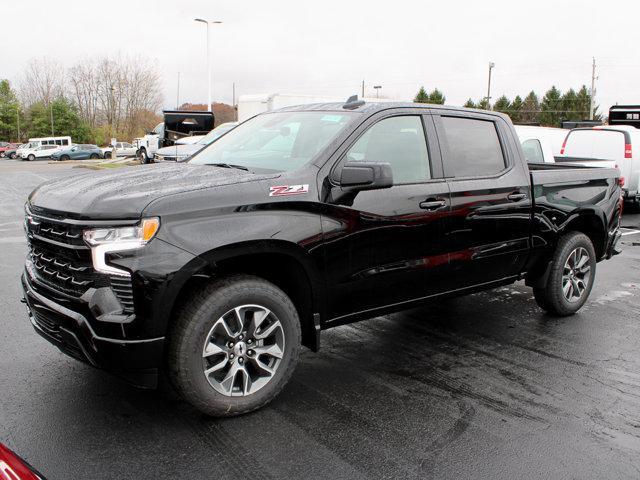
column 117, row 93
column 42, row 81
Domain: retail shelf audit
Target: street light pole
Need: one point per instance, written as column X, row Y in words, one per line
column 377, row 89
column 208, row 22
column 491, row 65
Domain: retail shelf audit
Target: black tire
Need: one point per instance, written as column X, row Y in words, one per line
column 107, row 155
column 31, row 157
column 552, row 297
column 3, row 154
column 64, row 157
column 13, row 155
column 94, row 156
column 195, row 322
column 144, row 158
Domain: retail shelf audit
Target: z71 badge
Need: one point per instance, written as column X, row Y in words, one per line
column 284, row 190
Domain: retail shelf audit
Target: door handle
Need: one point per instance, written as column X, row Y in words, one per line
column 516, row 197
column 432, row 204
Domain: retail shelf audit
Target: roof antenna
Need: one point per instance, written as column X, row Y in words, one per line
column 353, row 103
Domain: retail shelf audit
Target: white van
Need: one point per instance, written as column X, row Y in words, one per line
column 57, row 141
column 607, row 146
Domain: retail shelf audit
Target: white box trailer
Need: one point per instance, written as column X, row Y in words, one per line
column 251, row 105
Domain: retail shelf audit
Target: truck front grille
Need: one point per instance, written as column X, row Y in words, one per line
column 61, row 260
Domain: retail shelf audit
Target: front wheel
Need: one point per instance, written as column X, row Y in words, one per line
column 31, row 157
column 234, row 345
column 94, row 156
column 571, row 278
column 64, row 157
column 3, row 154
column 13, row 156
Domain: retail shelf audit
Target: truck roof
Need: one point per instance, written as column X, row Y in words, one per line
column 372, row 107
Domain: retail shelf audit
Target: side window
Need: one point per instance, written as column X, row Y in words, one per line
column 399, row 141
column 474, row 147
column 532, row 151
column 65, row 142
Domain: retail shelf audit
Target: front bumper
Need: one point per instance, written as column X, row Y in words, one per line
column 137, row 361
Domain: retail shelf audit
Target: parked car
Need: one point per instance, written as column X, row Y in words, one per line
column 13, row 467
column 63, row 141
column 6, row 149
column 78, row 152
column 535, row 146
column 610, row 147
column 179, row 153
column 12, row 152
column 42, row 151
column 123, row 149
column 296, row 221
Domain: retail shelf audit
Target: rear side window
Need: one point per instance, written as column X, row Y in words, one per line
column 473, row 146
column 399, row 141
column 532, row 151
column 597, row 144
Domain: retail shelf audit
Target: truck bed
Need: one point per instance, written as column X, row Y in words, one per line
column 545, row 173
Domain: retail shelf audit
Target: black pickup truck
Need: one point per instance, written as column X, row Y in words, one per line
column 217, row 270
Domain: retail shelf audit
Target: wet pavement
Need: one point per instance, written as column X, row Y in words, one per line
column 484, row 386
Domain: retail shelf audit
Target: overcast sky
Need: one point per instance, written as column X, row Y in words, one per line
column 328, row 47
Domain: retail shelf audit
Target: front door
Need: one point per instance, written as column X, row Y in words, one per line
column 384, row 247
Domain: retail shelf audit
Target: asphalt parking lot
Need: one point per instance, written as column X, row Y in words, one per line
column 485, row 386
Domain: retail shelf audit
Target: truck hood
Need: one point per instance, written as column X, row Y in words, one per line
column 124, row 193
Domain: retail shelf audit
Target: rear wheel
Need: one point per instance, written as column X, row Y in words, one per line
column 234, row 346
column 107, row 154
column 571, row 278
column 3, row 154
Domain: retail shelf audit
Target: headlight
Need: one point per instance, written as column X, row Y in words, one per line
column 107, row 240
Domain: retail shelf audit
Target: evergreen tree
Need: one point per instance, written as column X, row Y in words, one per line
column 530, row 111
column 515, row 110
column 569, row 102
column 470, row 104
column 422, row 96
column 437, row 97
column 66, row 120
column 483, row 104
column 550, row 108
column 9, row 111
column 502, row 104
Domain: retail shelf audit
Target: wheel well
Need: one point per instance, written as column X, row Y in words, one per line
column 283, row 270
column 592, row 227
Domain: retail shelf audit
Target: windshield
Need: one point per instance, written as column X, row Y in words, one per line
column 278, row 142
column 215, row 133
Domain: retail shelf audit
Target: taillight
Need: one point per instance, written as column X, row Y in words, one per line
column 564, row 144
column 621, row 181
column 627, row 151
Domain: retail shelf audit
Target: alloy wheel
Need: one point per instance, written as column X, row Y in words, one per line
column 243, row 350
column 576, row 274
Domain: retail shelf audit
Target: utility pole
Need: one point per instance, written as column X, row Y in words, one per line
column 18, row 118
column 592, row 93
column 491, row 65
column 362, row 88
column 178, row 93
column 51, row 111
column 233, row 101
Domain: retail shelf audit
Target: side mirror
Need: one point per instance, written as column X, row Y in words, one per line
column 366, row 175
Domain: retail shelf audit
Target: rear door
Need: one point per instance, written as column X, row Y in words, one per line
column 384, row 247
column 487, row 232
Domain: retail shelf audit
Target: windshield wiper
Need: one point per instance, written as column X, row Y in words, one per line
column 229, row 165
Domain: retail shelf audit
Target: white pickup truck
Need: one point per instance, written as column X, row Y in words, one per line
column 540, row 144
